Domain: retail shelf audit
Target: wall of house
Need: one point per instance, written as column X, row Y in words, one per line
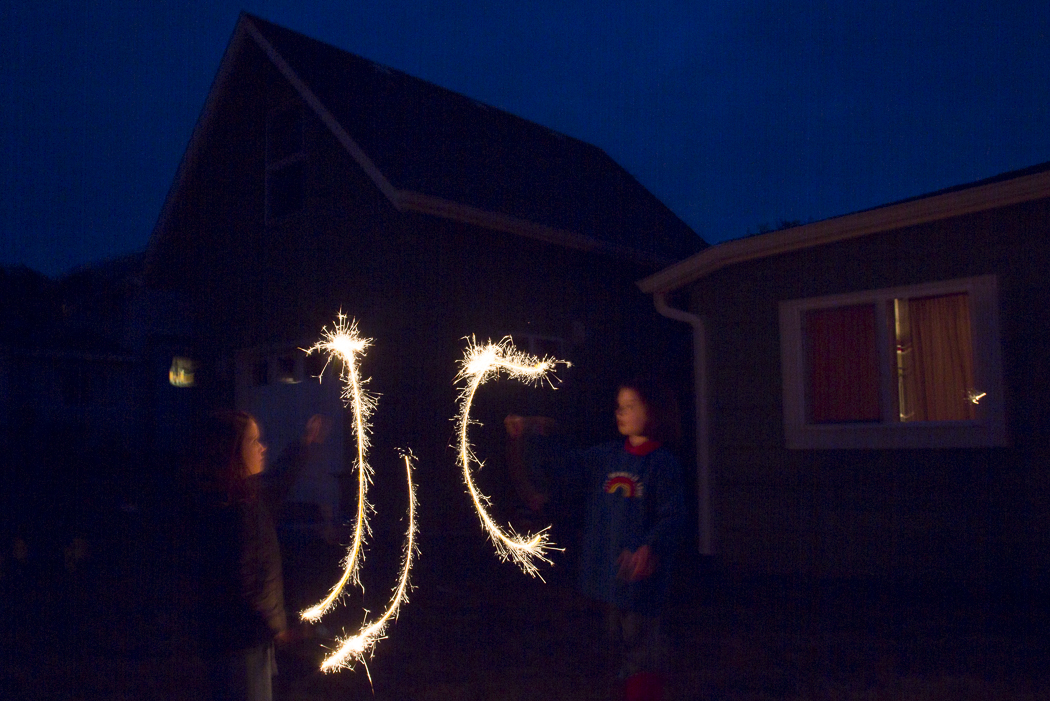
column 978, row 515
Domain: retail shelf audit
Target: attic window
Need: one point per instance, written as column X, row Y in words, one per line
column 285, row 163
column 284, row 191
column 284, row 135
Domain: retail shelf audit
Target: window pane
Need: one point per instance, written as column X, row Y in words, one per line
column 284, row 135
column 842, row 364
column 284, row 194
column 286, row 370
column 935, row 358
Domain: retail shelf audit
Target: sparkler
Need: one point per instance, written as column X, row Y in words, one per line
column 356, row 647
column 344, row 342
column 480, row 363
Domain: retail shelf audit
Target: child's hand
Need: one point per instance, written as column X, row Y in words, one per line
column 636, row 566
column 316, row 430
column 290, row 636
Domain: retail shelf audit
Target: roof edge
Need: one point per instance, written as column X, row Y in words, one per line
column 322, row 112
column 408, row 200
column 192, row 152
column 957, row 202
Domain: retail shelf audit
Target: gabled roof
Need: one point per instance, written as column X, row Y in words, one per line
column 1002, row 190
column 434, row 151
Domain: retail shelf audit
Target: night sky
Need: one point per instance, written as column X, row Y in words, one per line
column 736, row 113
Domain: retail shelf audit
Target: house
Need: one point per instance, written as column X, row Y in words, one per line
column 317, row 181
column 873, row 390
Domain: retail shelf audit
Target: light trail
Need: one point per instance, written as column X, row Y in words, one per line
column 356, row 647
column 480, row 363
column 344, row 342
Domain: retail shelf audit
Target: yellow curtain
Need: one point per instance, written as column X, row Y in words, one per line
column 942, row 372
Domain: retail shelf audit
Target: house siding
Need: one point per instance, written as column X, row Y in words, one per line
column 977, row 515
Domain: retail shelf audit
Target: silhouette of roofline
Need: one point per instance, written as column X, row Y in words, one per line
column 1014, row 187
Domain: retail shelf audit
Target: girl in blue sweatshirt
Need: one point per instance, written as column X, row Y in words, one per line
column 635, row 516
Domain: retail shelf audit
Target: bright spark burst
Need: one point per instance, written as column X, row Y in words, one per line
column 480, row 363
column 356, row 647
column 344, row 342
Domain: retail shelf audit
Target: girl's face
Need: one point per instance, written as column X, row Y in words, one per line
column 631, row 415
column 253, row 450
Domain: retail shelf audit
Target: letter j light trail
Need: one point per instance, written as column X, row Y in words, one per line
column 344, row 342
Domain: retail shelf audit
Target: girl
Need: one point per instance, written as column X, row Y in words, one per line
column 633, row 525
column 241, row 591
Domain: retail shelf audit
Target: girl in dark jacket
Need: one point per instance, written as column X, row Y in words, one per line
column 241, row 590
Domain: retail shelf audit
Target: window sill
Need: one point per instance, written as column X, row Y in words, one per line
column 918, row 435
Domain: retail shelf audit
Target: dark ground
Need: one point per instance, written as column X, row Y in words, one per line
column 105, row 618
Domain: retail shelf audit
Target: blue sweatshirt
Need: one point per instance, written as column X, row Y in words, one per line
column 634, row 497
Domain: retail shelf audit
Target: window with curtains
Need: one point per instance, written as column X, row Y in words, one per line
column 907, row 367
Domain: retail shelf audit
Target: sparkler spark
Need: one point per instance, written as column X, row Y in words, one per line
column 480, row 363
column 344, row 342
column 356, row 647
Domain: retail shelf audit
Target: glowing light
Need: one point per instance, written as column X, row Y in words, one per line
column 344, row 342
column 975, row 396
column 182, row 372
column 356, row 647
column 480, row 363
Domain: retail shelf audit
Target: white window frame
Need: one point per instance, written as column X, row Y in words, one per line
column 987, row 429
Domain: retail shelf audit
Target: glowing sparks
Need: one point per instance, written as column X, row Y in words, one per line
column 356, row 647
column 478, row 365
column 344, row 342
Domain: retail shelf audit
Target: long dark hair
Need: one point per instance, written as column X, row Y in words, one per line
column 661, row 408
column 218, row 465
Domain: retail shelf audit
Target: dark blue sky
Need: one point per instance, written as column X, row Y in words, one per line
column 735, row 113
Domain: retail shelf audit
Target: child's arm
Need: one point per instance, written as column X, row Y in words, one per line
column 517, row 428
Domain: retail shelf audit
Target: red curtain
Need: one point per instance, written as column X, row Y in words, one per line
column 843, row 365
